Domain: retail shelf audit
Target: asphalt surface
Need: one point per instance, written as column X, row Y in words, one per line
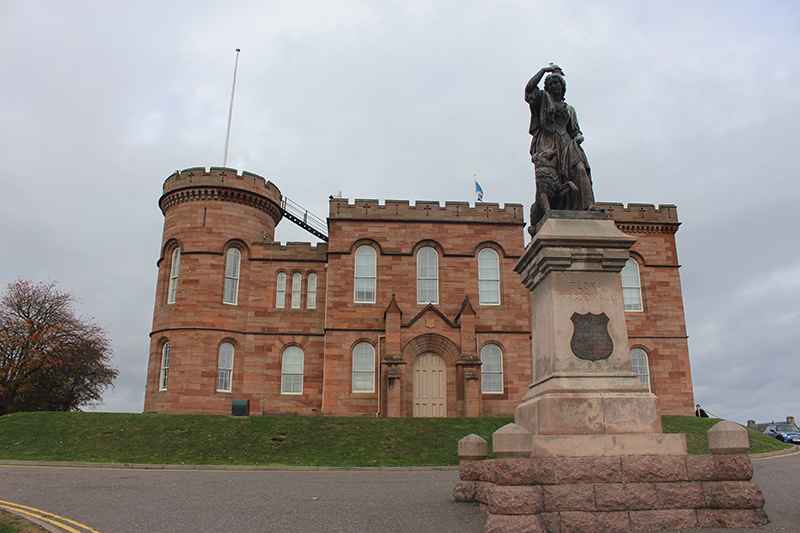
column 175, row 501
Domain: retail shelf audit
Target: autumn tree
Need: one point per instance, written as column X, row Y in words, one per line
column 51, row 359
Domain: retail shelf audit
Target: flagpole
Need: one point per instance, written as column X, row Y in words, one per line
column 230, row 111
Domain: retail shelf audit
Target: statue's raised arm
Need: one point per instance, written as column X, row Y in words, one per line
column 563, row 175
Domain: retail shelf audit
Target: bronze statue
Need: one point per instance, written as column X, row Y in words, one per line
column 563, row 176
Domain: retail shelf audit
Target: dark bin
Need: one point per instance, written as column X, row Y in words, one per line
column 240, row 408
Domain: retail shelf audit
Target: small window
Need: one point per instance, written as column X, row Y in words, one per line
column 492, row 369
column 231, row 295
column 311, row 297
column 639, row 365
column 280, row 292
column 365, row 274
column 631, row 286
column 292, row 371
column 173, row 276
column 427, row 276
column 162, row 385
column 225, row 368
column 364, row 368
column 488, row 277
column 297, row 284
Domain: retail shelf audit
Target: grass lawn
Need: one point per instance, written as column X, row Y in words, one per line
column 11, row 523
column 270, row 440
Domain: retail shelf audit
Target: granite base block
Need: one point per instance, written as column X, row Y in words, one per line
column 608, row 494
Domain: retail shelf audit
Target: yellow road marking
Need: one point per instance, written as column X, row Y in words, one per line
column 59, row 521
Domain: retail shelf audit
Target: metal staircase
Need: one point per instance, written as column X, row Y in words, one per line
column 308, row 221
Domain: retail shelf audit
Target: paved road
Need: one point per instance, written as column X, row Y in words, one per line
column 172, row 501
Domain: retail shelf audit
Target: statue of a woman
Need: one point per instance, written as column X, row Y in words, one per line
column 563, row 176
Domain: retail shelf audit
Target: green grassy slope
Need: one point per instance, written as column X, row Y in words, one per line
column 269, row 440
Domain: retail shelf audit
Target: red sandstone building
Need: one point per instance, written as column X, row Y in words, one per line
column 405, row 311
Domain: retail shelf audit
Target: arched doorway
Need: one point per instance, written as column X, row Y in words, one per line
column 430, row 385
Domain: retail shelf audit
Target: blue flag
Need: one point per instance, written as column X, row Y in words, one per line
column 478, row 192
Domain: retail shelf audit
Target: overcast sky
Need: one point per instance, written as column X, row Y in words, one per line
column 681, row 102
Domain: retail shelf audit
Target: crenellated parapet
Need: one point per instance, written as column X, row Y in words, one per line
column 221, row 184
column 643, row 218
column 402, row 210
column 290, row 251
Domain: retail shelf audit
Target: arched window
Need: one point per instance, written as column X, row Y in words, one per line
column 364, row 368
column 231, row 295
column 162, row 383
column 492, row 369
column 631, row 286
column 225, row 367
column 292, row 371
column 640, row 366
column 488, row 277
column 280, row 291
column 297, row 284
column 311, row 296
column 427, row 276
column 173, row 276
column 365, row 273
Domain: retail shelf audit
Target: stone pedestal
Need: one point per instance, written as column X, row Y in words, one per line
column 583, row 382
column 586, row 453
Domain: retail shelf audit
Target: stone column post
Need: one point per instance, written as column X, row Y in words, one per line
column 583, row 382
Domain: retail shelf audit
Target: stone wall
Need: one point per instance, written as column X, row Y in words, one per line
column 594, row 494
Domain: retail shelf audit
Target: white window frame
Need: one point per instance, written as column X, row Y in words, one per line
column 363, row 368
column 631, row 286
column 311, row 291
column 365, row 275
column 280, row 291
column 292, row 366
column 297, row 289
column 173, row 276
column 225, row 367
column 232, row 268
column 488, row 277
column 164, row 376
column 427, row 276
column 492, row 369
column 640, row 364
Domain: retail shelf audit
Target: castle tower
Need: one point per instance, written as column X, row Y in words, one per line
column 211, row 219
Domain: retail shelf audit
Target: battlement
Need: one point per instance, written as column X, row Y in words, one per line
column 425, row 211
column 222, row 177
column 641, row 213
column 290, row 251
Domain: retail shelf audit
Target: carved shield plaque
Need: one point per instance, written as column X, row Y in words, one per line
column 590, row 339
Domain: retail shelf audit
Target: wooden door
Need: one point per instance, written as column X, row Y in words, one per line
column 430, row 386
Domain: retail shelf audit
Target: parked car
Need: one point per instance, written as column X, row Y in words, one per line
column 784, row 432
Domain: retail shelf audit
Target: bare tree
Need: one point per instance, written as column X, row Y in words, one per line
column 51, row 359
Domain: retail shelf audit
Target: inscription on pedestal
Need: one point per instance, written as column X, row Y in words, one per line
column 590, row 338
column 589, row 291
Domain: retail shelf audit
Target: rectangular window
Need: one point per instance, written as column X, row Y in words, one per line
column 225, row 367
column 365, row 274
column 297, row 284
column 364, row 368
column 491, row 370
column 631, row 286
column 280, row 292
column 231, row 294
column 292, row 371
column 312, row 291
column 488, row 277
column 427, row 276
column 164, row 366
column 173, row 276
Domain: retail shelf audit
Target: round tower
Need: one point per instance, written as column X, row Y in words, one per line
column 211, row 219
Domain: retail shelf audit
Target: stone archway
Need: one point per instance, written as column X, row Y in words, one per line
column 430, row 386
